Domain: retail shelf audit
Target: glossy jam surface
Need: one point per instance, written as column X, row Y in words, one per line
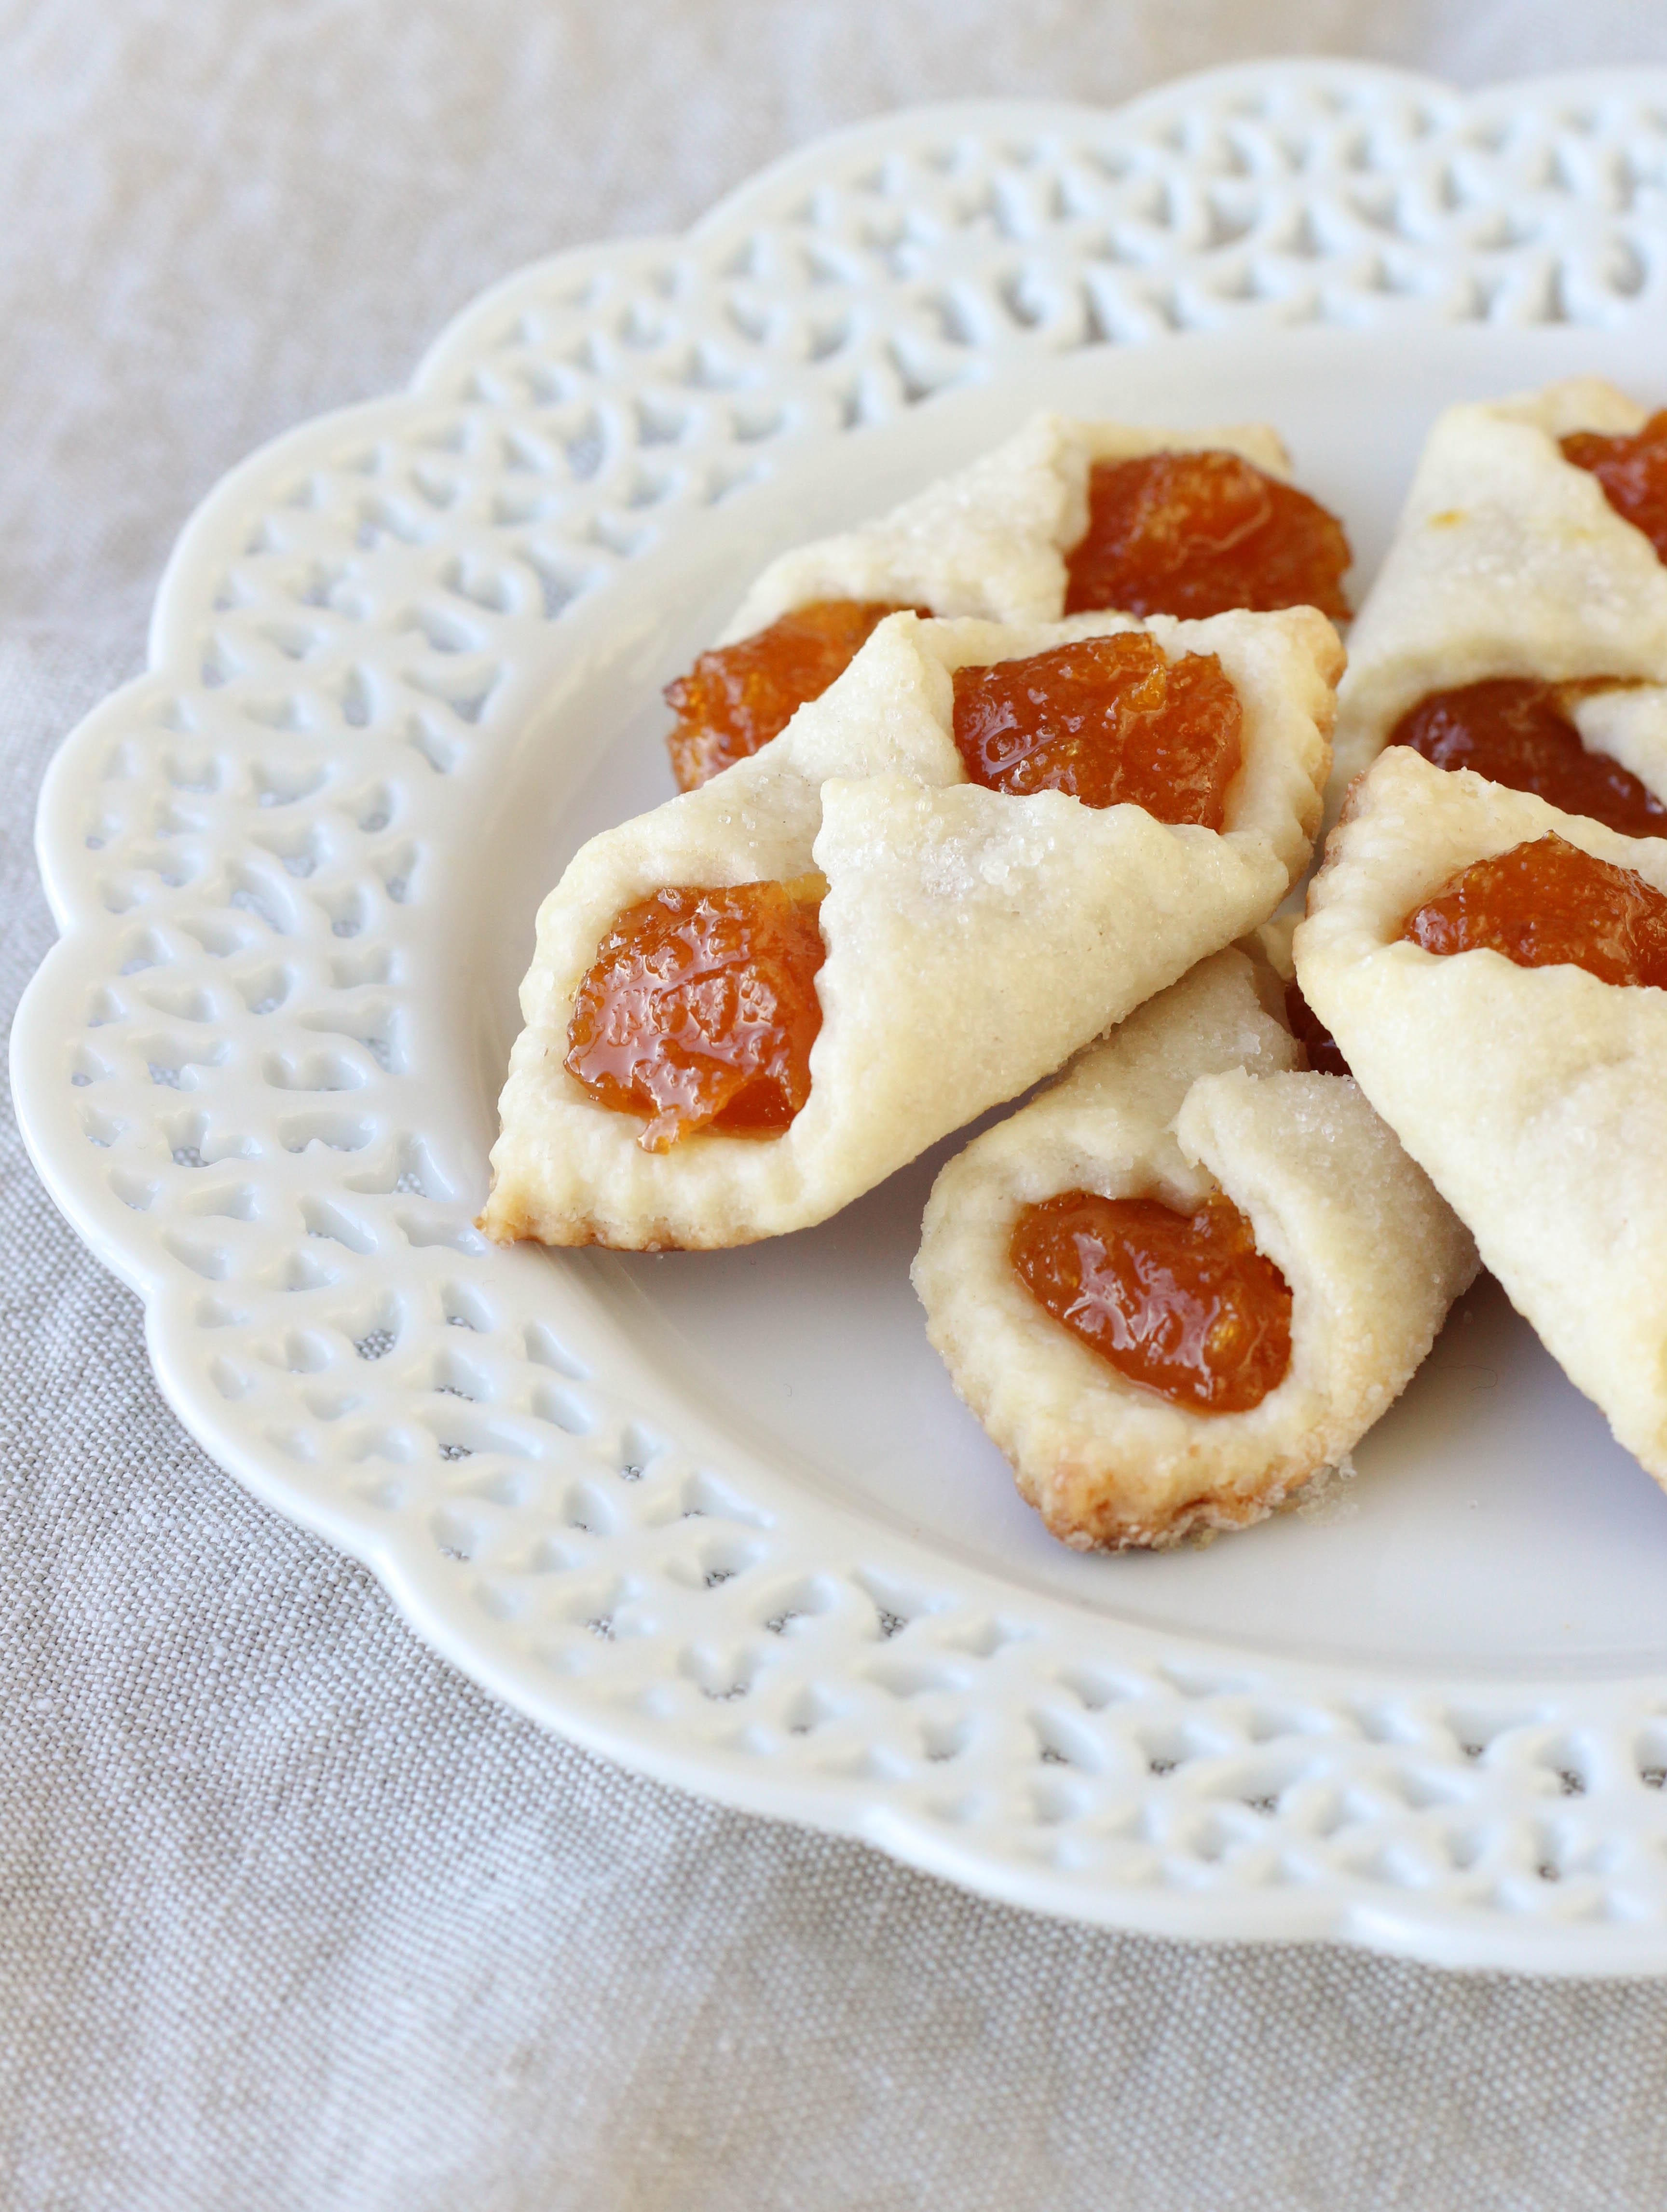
column 1312, row 1033
column 1632, row 471
column 1109, row 721
column 738, row 697
column 700, row 1010
column 1547, row 905
column 1516, row 731
column 1196, row 533
column 1183, row 1303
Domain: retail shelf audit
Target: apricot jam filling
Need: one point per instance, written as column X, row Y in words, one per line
column 1517, row 732
column 700, row 1010
column 1108, row 720
column 1196, row 533
column 738, row 697
column 1547, row 905
column 1632, row 471
column 1182, row 1304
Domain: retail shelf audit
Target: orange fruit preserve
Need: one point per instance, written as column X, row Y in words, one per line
column 1183, row 1303
column 700, row 1010
column 738, row 697
column 1109, row 721
column 1547, row 905
column 1196, row 533
column 1632, row 471
column 1515, row 730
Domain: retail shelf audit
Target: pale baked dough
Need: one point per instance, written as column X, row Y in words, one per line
column 1509, row 561
column 975, row 940
column 991, row 539
column 1535, row 1097
column 1197, row 1092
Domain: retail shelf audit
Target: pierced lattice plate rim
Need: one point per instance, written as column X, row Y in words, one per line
column 232, row 1070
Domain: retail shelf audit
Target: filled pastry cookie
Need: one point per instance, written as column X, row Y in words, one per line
column 979, row 848
column 1496, row 973
column 1190, row 1275
column 1519, row 624
column 1067, row 517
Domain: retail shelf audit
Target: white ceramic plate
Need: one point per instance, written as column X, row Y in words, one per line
column 721, row 1516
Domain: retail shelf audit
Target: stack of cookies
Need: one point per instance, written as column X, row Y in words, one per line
column 1014, row 784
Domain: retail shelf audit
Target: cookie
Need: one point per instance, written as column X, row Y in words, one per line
column 1202, row 1092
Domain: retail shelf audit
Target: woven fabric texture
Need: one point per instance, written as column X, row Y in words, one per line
column 290, row 1914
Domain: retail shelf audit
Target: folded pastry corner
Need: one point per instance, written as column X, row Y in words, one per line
column 1189, row 1276
column 955, row 941
column 1521, row 559
column 1492, row 969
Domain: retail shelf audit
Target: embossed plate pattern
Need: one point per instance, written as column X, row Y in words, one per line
column 728, row 1526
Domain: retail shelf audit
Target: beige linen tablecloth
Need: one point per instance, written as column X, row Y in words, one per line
column 290, row 1916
